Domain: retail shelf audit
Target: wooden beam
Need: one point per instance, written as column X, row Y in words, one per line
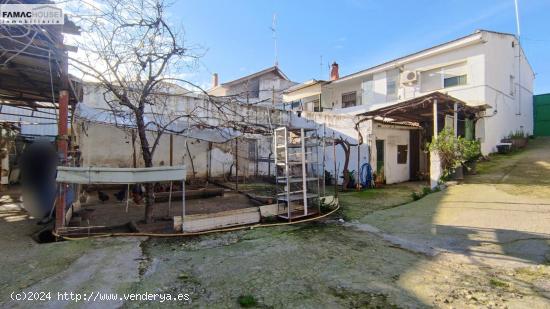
column 455, row 119
column 435, row 118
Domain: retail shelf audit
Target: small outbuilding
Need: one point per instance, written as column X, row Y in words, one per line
column 404, row 156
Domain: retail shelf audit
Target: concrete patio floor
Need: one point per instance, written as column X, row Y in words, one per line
column 501, row 214
column 482, row 244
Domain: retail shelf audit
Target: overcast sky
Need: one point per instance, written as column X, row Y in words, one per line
column 237, row 38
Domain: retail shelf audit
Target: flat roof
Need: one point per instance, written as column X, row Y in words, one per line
column 358, row 73
column 305, row 84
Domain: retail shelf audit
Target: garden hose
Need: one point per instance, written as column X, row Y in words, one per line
column 229, row 229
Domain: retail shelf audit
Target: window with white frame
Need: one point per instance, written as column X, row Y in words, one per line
column 367, row 87
column 454, row 75
column 392, row 80
column 444, row 77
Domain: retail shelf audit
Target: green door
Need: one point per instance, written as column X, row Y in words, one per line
column 542, row 114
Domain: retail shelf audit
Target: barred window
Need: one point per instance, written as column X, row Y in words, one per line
column 402, row 154
column 349, row 99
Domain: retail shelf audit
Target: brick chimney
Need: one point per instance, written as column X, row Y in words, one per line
column 334, row 71
column 214, row 80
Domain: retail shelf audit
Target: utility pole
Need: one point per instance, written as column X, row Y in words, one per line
column 519, row 56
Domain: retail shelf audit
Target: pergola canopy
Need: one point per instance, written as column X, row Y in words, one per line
column 420, row 109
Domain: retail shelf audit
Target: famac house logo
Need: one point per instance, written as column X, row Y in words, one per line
column 31, row 14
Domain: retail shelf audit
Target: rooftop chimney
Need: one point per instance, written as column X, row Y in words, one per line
column 214, row 80
column 334, row 71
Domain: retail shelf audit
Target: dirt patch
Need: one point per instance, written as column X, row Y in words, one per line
column 112, row 213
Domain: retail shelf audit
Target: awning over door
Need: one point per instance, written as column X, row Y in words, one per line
column 420, row 109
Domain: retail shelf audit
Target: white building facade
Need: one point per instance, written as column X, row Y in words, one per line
column 264, row 87
column 485, row 69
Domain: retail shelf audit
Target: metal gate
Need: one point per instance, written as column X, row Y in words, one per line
column 542, row 114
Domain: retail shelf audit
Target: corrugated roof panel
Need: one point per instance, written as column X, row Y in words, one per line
column 41, row 121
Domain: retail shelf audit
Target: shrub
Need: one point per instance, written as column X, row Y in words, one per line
column 497, row 283
column 517, row 134
column 471, row 150
column 247, row 301
column 453, row 151
column 426, row 190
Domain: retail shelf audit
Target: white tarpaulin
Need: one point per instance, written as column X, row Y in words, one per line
column 109, row 175
column 215, row 135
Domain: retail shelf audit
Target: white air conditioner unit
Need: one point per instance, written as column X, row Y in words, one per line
column 409, row 77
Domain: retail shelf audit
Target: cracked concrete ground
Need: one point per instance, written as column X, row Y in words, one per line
column 501, row 216
column 482, row 244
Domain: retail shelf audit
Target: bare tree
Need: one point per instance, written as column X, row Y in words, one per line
column 346, row 147
column 133, row 53
column 137, row 57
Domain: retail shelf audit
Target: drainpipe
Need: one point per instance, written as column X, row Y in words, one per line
column 171, row 149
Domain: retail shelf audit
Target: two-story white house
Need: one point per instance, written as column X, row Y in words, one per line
column 485, row 69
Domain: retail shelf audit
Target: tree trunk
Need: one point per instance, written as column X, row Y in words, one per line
column 148, row 160
column 347, row 150
column 345, row 183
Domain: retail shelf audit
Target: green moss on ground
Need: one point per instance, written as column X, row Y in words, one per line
column 358, row 204
column 247, row 301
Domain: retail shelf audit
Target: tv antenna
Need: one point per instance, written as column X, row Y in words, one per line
column 519, row 56
column 517, row 18
column 274, row 33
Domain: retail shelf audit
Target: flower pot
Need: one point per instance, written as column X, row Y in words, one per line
column 458, row 173
column 504, row 148
column 519, row 143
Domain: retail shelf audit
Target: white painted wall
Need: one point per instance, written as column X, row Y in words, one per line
column 109, row 146
column 332, row 93
column 392, row 136
column 511, row 110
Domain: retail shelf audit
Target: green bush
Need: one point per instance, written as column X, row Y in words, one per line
column 453, row 151
column 247, row 301
column 425, row 191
